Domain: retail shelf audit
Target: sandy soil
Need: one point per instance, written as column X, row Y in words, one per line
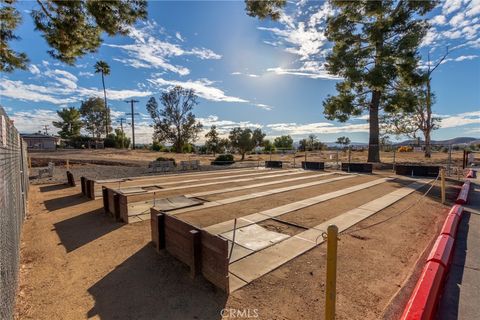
column 77, row 263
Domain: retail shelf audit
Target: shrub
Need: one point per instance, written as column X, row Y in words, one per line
column 167, row 159
column 405, row 149
column 223, row 159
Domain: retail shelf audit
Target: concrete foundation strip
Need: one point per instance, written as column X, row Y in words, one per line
column 226, row 226
column 257, row 185
column 259, row 194
column 257, row 176
column 262, row 262
column 97, row 184
column 143, row 207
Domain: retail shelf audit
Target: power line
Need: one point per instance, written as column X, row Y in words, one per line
column 133, row 114
column 46, row 127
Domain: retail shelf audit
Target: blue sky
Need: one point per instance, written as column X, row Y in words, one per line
column 247, row 72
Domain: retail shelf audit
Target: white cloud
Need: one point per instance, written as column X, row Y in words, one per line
column 296, row 129
column 33, row 69
column 314, row 72
column 179, row 36
column 302, row 34
column 473, row 8
column 457, row 19
column 264, row 106
column 59, row 87
column 461, row 58
column 439, row 20
column 34, row 120
column 251, row 75
column 462, row 119
column 86, row 74
column 202, row 88
column 148, row 51
column 451, row 6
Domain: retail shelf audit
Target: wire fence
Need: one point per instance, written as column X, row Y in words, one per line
column 13, row 209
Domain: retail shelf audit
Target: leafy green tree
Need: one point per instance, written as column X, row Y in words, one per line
column 283, row 142
column 268, row 146
column 117, row 140
column 224, row 144
column 264, row 8
column 94, row 113
column 70, row 123
column 345, row 141
column 71, row 28
column 213, row 140
column 375, row 46
column 303, row 145
column 241, row 140
column 104, row 69
column 175, row 122
column 11, row 18
column 258, row 136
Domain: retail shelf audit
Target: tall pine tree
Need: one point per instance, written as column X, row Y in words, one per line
column 375, row 47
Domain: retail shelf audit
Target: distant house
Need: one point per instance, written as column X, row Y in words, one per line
column 41, row 142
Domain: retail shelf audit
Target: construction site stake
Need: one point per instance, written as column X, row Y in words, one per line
column 331, row 287
column 442, row 177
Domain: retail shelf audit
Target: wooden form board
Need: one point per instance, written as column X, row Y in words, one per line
column 201, row 251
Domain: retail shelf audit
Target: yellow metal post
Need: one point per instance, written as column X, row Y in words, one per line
column 442, row 178
column 331, row 287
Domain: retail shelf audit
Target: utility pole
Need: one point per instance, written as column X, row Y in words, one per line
column 121, row 128
column 133, row 114
column 46, row 127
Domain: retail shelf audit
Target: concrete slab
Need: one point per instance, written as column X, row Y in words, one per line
column 235, row 282
column 238, row 252
column 278, row 211
column 261, row 194
column 264, row 261
column 254, row 237
column 257, row 185
column 259, row 263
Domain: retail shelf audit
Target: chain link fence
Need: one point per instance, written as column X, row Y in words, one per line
column 13, row 209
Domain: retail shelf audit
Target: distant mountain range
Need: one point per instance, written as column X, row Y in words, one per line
column 454, row 141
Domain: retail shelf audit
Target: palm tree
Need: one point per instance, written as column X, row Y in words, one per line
column 103, row 68
column 70, row 123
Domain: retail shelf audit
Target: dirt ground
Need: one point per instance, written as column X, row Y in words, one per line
column 78, row 263
column 143, row 157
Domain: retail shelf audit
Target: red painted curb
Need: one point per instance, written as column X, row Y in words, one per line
column 424, row 299
column 457, row 209
column 450, row 225
column 463, row 195
column 442, row 250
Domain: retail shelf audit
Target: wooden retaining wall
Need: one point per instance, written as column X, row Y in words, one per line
column 200, row 250
column 214, row 252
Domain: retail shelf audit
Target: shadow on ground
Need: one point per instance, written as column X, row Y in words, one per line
column 66, row 201
column 149, row 285
column 82, row 229
column 54, row 187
